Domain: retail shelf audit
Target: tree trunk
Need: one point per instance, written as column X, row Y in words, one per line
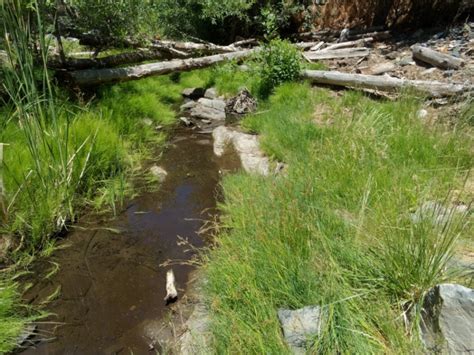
column 100, row 76
column 107, row 62
column 348, row 44
column 383, row 83
column 337, row 53
column 437, row 59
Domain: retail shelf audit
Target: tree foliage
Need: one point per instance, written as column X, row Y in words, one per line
column 114, row 18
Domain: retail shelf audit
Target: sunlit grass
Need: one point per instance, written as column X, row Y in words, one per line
column 337, row 231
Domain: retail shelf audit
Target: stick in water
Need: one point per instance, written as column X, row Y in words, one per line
column 171, row 293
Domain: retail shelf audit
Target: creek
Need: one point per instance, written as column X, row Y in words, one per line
column 111, row 278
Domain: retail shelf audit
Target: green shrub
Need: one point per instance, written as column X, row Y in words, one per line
column 280, row 62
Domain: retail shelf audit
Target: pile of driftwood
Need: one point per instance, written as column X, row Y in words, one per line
column 320, row 50
column 183, row 56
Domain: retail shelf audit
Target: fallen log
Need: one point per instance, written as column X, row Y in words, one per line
column 317, row 47
column 383, row 83
column 377, row 36
column 348, row 44
column 107, row 62
column 100, row 76
column 437, row 59
column 352, row 34
column 337, row 53
column 306, row 45
column 206, row 48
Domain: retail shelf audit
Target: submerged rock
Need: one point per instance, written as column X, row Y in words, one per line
column 159, row 173
column 246, row 146
column 300, row 327
column 448, row 319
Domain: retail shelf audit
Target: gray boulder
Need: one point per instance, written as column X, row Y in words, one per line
column 247, row 146
column 300, row 327
column 213, row 103
column 210, row 93
column 208, row 109
column 188, row 105
column 438, row 214
column 448, row 319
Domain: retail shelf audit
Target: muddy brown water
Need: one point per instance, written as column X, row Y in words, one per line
column 112, row 284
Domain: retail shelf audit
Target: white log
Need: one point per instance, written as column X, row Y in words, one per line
column 191, row 46
column 437, row 59
column 306, row 45
column 101, row 76
column 348, row 44
column 384, row 83
column 317, row 47
column 171, row 293
column 337, row 53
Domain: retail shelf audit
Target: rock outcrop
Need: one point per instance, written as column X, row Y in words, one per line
column 448, row 319
column 247, row 147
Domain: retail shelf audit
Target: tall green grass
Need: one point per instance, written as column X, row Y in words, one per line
column 337, row 231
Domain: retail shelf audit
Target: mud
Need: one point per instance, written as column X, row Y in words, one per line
column 112, row 275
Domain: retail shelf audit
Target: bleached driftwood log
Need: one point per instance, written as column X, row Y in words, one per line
column 437, row 59
column 383, row 83
column 337, row 53
column 101, row 76
column 190, row 48
column 171, row 292
column 348, row 44
column 107, row 62
column 307, row 45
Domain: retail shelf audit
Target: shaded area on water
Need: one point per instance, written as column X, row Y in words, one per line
column 112, row 284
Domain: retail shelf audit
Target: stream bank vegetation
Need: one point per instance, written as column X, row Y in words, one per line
column 63, row 156
column 339, row 230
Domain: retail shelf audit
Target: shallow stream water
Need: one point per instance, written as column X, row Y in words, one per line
column 111, row 275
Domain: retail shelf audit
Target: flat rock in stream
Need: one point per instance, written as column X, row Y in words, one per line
column 247, row 147
column 448, row 319
column 208, row 109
